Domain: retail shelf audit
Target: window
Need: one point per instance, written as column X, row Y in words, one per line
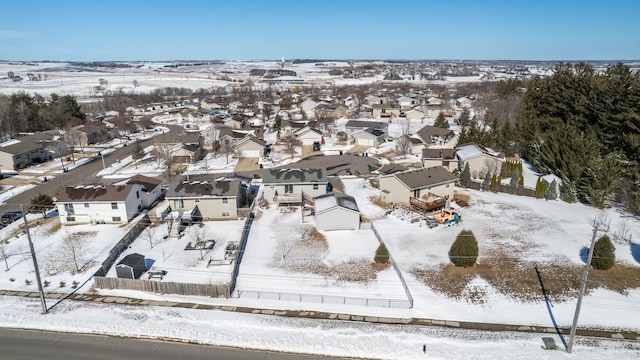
column 137, row 194
column 226, row 213
column 178, row 203
column 69, row 209
column 288, row 188
column 114, row 206
column 315, row 186
column 71, row 218
column 86, row 205
column 116, row 219
column 225, row 201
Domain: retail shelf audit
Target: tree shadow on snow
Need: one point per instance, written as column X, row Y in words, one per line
column 584, row 254
column 635, row 252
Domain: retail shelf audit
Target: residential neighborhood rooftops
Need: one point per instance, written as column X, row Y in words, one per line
column 363, row 124
column 427, row 132
column 148, row 182
column 94, row 193
column 471, row 150
column 20, row 147
column 439, row 153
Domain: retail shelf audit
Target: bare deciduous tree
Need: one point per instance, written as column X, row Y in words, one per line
column 199, row 234
column 291, row 143
column 74, row 245
column 148, row 234
column 403, row 143
column 3, row 251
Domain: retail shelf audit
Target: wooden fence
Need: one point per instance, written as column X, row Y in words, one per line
column 162, row 287
column 522, row 191
column 122, row 245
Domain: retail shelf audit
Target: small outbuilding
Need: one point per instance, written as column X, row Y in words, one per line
column 336, row 211
column 131, row 267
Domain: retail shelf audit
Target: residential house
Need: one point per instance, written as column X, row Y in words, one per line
column 308, row 135
column 330, row 111
column 464, row 102
column 406, row 102
column 234, row 122
column 376, row 99
column 83, row 135
column 436, row 137
column 353, row 126
column 440, row 157
column 213, row 199
column 369, row 137
column 98, row 203
column 336, row 211
column 187, row 154
column 249, row 146
column 288, row 127
column 308, row 105
column 385, row 110
column 293, row 185
column 434, row 110
column 18, row 154
column 480, row 159
column 415, row 114
column 399, row 187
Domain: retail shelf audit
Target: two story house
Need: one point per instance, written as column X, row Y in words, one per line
column 293, row 185
column 213, row 199
column 99, row 203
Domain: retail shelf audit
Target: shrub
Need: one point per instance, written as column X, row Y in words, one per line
column 62, row 284
column 46, row 283
column 464, row 251
column 382, row 255
column 604, row 256
column 465, row 176
column 27, row 282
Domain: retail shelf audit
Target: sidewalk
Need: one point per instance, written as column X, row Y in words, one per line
column 600, row 333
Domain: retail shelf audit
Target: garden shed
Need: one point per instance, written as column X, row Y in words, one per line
column 131, row 266
column 336, row 211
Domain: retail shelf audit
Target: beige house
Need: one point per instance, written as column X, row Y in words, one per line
column 249, row 146
column 330, row 111
column 19, row 154
column 400, row 186
column 385, row 110
column 440, row 157
column 439, row 138
column 480, row 160
column 212, row 199
column 308, row 135
column 293, row 185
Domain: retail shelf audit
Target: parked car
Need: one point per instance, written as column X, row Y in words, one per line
column 11, row 216
column 316, row 146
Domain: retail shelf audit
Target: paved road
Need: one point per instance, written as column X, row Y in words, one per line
column 34, row 345
column 79, row 175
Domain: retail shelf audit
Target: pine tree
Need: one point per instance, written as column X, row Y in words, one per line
column 464, row 251
column 551, row 192
column 382, row 255
column 465, row 176
column 137, row 153
column 513, row 184
column 494, row 181
column 441, row 121
column 486, row 183
column 604, row 254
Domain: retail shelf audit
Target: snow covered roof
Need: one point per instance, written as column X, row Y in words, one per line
column 289, row 176
column 332, row 200
column 470, row 151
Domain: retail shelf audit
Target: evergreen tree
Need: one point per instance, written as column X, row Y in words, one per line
column 441, row 121
column 568, row 191
column 137, row 153
column 551, row 192
column 604, row 254
column 464, row 251
column 539, row 193
column 465, row 176
column 41, row 203
column 382, row 255
column 515, row 180
column 494, row 181
column 486, row 183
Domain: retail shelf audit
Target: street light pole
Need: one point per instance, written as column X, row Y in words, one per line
column 35, row 262
column 583, row 285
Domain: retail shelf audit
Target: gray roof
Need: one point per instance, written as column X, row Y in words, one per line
column 392, row 168
column 20, row 148
column 291, row 176
column 417, row 179
column 203, row 185
column 331, row 200
column 439, row 153
column 364, row 124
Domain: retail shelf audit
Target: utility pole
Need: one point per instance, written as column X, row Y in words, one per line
column 102, row 155
column 35, row 262
column 583, row 285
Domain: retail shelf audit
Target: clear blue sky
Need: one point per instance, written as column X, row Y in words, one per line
column 349, row 29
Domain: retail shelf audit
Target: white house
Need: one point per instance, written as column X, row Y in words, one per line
column 368, row 137
column 406, row 102
column 335, row 211
column 400, row 186
column 480, row 160
column 249, row 146
column 117, row 203
column 308, row 135
column 435, row 137
column 293, row 185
